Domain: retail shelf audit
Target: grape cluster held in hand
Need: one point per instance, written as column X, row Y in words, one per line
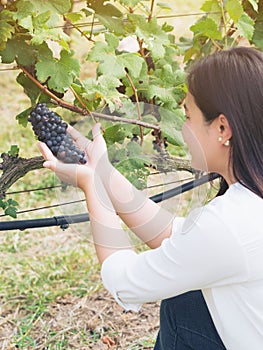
column 51, row 129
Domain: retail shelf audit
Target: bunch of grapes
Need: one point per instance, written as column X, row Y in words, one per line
column 51, row 129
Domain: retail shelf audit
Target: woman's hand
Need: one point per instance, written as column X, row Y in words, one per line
column 76, row 174
column 95, row 151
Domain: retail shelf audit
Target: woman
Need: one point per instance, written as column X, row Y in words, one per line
column 207, row 268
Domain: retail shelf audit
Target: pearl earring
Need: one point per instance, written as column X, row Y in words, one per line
column 220, row 139
column 227, row 143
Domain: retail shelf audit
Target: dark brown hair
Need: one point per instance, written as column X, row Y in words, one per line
column 230, row 82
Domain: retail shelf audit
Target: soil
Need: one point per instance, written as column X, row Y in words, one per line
column 97, row 318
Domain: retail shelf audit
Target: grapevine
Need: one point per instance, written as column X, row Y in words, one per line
column 136, row 63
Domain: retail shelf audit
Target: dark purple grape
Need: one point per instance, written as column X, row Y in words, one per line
column 51, row 129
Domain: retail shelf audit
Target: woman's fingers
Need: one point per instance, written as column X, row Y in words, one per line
column 73, row 174
column 66, row 172
column 96, row 130
column 46, row 153
column 51, row 160
column 81, row 141
column 75, row 134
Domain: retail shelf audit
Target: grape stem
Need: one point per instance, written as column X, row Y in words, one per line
column 84, row 111
column 79, row 30
column 151, row 11
column 137, row 102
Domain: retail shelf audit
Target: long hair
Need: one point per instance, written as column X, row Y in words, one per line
column 230, row 82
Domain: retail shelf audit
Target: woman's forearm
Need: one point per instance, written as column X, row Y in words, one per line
column 146, row 219
column 108, row 235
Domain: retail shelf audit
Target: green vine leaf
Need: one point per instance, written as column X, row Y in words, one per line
column 112, row 23
column 171, row 123
column 109, row 15
column 114, row 133
column 11, row 211
column 22, row 117
column 58, row 6
column 154, row 37
column 245, row 26
column 132, row 164
column 17, row 49
column 213, row 8
column 9, row 207
column 101, row 50
column 105, row 53
column 104, row 88
column 6, row 28
column 40, row 21
column 60, row 73
column 99, row 7
column 55, row 34
column 74, row 17
column 131, row 62
column 14, row 151
column 206, row 27
column 24, row 10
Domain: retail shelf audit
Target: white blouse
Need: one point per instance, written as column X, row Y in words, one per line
column 218, row 249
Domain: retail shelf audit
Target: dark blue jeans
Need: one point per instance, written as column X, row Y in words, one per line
column 186, row 324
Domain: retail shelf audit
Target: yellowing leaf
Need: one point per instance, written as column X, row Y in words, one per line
column 234, row 9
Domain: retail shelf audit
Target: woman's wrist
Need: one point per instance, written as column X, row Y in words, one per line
column 104, row 171
column 86, row 180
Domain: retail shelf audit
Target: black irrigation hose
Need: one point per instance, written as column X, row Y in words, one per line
column 65, row 221
column 62, row 221
column 183, row 188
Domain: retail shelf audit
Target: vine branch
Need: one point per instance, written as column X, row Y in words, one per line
column 15, row 168
column 125, row 120
column 84, row 111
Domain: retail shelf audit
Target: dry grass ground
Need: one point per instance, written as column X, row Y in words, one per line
column 51, row 296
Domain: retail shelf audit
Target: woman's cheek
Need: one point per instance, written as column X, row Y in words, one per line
column 198, row 159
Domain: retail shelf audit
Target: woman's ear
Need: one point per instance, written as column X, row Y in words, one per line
column 224, row 129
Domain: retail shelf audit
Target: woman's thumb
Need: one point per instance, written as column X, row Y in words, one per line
column 96, row 130
column 49, row 165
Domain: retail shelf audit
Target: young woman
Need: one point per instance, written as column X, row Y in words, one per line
column 208, row 267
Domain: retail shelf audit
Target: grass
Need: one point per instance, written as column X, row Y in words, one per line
column 50, row 289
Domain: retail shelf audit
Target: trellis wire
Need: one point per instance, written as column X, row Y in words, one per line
column 47, row 207
column 66, row 220
column 60, row 186
column 97, row 23
column 34, row 189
